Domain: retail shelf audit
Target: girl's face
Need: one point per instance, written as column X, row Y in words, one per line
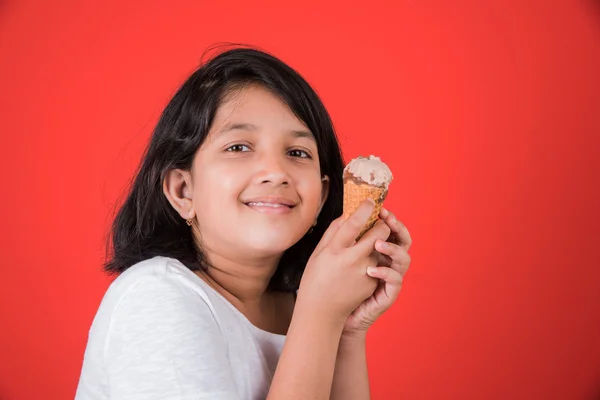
column 256, row 185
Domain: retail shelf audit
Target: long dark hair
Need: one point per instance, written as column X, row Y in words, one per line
column 147, row 225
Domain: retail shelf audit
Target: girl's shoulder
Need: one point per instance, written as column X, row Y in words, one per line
column 156, row 269
column 155, row 315
column 159, row 273
column 159, row 280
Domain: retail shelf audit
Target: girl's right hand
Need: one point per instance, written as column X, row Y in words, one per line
column 335, row 280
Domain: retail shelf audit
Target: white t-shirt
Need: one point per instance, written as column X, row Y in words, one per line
column 163, row 333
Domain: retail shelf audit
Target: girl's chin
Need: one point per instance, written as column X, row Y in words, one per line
column 268, row 244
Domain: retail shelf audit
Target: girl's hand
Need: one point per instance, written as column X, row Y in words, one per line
column 393, row 263
column 335, row 280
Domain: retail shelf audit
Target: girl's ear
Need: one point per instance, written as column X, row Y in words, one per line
column 177, row 187
column 324, row 194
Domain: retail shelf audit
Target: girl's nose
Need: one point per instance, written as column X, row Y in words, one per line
column 271, row 170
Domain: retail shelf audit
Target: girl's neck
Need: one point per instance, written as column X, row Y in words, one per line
column 248, row 293
column 243, row 284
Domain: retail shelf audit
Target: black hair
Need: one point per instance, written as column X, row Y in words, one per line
column 146, row 225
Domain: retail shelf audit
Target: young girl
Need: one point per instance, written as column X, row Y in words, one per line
column 238, row 278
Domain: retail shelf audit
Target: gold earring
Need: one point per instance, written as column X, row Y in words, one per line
column 190, row 222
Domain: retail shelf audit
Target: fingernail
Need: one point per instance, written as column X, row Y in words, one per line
column 384, row 212
column 382, row 245
column 371, row 270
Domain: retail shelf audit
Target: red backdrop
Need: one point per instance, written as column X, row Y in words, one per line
column 487, row 112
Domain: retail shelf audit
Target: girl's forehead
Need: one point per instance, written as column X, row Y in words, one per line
column 249, row 99
column 230, row 127
column 252, row 109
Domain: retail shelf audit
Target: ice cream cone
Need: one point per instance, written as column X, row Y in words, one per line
column 355, row 194
column 365, row 178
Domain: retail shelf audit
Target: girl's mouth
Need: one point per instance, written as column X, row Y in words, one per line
column 270, row 207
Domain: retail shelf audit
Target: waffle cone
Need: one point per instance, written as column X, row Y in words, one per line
column 356, row 193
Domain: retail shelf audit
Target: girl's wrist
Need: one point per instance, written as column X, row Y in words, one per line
column 353, row 337
column 313, row 313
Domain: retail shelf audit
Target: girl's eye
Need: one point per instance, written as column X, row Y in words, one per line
column 236, row 148
column 299, row 153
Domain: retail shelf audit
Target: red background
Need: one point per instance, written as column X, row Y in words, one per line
column 488, row 113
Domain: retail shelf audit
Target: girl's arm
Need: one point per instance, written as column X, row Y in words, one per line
column 350, row 379
column 306, row 365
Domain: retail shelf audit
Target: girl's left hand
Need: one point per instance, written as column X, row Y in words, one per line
column 394, row 261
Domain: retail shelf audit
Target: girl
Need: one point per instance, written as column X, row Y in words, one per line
column 238, row 279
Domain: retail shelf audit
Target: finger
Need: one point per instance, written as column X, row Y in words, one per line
column 329, row 234
column 392, row 283
column 379, row 231
column 398, row 229
column 400, row 258
column 352, row 226
column 386, row 274
column 383, row 213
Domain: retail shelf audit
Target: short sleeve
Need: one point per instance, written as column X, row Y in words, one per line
column 164, row 343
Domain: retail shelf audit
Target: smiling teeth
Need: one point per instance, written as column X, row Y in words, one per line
column 259, row 204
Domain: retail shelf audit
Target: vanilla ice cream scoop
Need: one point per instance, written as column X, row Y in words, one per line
column 370, row 170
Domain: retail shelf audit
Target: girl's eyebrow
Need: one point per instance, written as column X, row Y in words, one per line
column 236, row 126
column 303, row 134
